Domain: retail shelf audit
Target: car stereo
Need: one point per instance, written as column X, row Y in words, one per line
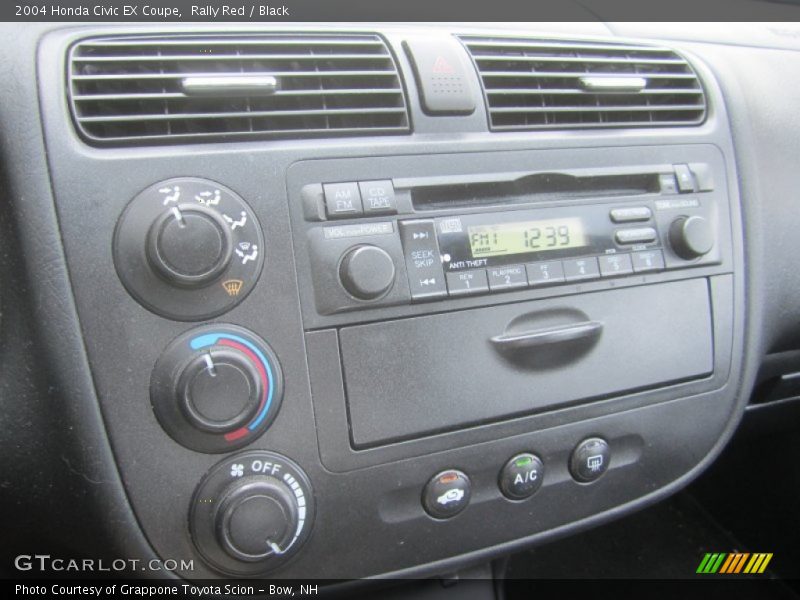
column 504, row 232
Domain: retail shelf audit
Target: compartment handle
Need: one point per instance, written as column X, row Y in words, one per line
column 551, row 335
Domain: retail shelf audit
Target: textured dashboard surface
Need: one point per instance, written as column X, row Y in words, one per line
column 106, row 344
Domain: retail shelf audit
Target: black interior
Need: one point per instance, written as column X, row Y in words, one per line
column 386, row 367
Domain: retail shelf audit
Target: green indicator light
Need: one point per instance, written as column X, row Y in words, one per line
column 524, row 461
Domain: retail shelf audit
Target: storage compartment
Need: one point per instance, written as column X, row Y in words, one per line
column 489, row 364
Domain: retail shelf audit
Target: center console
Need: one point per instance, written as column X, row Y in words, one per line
column 349, row 356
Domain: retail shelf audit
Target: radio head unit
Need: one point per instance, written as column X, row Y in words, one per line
column 408, row 240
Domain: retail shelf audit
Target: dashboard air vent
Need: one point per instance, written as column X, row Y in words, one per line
column 196, row 88
column 545, row 84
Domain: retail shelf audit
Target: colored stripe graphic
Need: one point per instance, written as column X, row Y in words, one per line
column 734, row 563
column 758, row 563
column 711, row 562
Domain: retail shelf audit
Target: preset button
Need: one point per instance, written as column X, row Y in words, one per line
column 613, row 265
column 647, row 260
column 545, row 273
column 507, row 278
column 579, row 269
column 463, row 283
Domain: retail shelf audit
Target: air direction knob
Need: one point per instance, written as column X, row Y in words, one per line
column 189, row 245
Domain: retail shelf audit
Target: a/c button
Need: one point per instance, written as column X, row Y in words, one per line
column 521, row 476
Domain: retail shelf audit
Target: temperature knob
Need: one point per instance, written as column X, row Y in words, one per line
column 216, row 388
column 188, row 249
column 251, row 513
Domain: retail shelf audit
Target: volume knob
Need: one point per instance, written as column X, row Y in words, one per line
column 691, row 237
column 367, row 272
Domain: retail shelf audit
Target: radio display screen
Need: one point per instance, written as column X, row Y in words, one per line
column 502, row 239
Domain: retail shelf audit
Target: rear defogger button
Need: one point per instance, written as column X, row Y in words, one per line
column 423, row 261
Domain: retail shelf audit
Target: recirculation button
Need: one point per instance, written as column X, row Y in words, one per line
column 446, row 494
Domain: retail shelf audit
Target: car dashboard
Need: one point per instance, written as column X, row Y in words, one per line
column 340, row 301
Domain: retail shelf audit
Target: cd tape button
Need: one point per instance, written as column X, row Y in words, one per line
column 378, row 197
column 507, row 278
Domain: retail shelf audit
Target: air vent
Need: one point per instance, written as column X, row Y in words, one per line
column 544, row 84
column 196, row 88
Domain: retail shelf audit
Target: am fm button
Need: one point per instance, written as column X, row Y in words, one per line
column 342, row 200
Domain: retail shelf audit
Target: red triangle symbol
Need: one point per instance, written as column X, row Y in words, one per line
column 440, row 65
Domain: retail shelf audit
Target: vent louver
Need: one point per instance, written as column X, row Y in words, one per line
column 195, row 88
column 544, row 84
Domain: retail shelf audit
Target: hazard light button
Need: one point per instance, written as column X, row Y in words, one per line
column 440, row 69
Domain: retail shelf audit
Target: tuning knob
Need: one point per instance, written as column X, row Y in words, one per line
column 252, row 512
column 367, row 272
column 216, row 388
column 691, row 237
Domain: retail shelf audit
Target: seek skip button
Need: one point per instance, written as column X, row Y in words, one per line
column 423, row 260
column 378, row 197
